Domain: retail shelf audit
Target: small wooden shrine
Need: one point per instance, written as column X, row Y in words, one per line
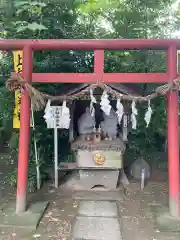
column 98, row 131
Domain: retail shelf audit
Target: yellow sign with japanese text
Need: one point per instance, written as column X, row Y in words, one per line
column 17, row 57
column 178, row 56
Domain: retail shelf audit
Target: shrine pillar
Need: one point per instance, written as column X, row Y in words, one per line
column 173, row 137
column 25, row 113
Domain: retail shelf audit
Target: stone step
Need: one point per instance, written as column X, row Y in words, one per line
column 96, row 228
column 115, row 195
column 98, row 209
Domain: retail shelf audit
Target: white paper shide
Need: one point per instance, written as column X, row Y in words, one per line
column 93, row 100
column 65, row 116
column 49, row 115
column 120, row 110
column 105, row 103
column 148, row 114
column 133, row 115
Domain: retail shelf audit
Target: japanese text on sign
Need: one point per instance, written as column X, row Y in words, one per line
column 18, row 58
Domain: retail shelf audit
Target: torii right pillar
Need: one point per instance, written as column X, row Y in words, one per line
column 173, row 137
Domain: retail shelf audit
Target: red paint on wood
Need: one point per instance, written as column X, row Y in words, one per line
column 99, row 63
column 135, row 77
column 109, row 44
column 173, row 138
column 24, row 137
column 94, row 77
column 64, row 77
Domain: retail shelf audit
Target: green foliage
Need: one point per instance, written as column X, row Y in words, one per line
column 145, row 141
column 97, row 6
column 13, row 146
column 11, row 179
column 29, row 26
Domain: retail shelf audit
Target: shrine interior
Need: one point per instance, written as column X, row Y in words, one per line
column 80, row 108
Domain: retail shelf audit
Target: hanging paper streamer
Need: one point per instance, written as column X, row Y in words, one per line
column 133, row 115
column 65, row 119
column 120, row 110
column 148, row 114
column 105, row 103
column 48, row 115
column 48, row 106
column 93, row 100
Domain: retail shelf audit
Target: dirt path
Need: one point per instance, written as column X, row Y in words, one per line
column 136, row 217
column 6, row 191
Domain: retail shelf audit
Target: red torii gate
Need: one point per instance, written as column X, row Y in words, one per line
column 29, row 46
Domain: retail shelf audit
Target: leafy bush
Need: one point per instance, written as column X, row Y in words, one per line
column 146, row 142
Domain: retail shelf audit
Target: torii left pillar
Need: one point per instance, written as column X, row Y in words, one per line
column 24, row 138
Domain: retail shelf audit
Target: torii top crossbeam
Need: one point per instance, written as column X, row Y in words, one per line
column 114, row 44
column 98, row 46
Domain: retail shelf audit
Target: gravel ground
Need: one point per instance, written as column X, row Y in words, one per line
column 136, row 217
column 55, row 224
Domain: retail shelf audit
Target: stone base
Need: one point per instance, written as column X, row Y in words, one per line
column 112, row 159
column 98, row 209
column 101, row 228
column 163, row 221
column 99, row 195
column 72, row 182
column 123, row 178
column 97, row 220
column 106, row 178
column 28, row 220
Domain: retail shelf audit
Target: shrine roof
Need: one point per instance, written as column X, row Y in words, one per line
column 129, row 88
